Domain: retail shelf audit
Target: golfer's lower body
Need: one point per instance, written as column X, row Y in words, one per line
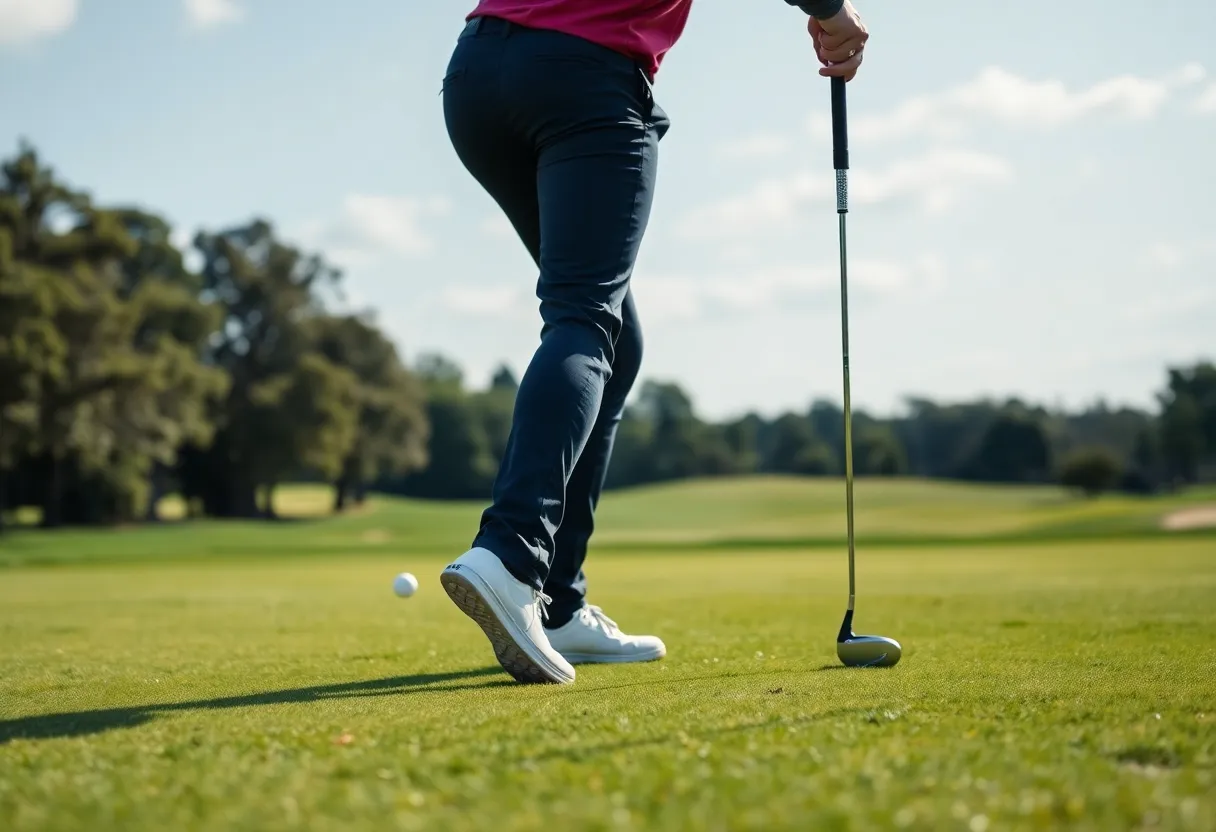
column 564, row 135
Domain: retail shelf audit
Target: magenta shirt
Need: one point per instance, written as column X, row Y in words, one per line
column 642, row 29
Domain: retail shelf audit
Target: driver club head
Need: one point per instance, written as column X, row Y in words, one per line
column 865, row 651
column 868, row 651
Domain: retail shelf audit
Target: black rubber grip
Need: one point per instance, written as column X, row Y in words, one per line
column 840, row 126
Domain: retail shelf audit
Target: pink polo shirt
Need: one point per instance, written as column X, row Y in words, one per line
column 645, row 30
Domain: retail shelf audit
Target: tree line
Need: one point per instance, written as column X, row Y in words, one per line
column 127, row 374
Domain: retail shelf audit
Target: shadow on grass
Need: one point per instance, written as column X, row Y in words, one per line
column 660, row 681
column 83, row 723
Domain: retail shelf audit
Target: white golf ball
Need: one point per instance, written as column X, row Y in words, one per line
column 405, row 585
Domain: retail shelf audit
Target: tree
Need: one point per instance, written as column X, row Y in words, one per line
column 660, row 438
column 878, row 451
column 793, row 448
column 1119, row 430
column 504, row 379
column 940, row 440
column 1092, row 470
column 56, row 304
column 288, row 407
column 392, row 428
column 1144, row 475
column 630, row 464
column 173, row 319
column 1013, row 449
column 439, row 371
column 742, row 438
column 31, row 352
column 675, row 434
column 460, row 464
column 496, row 408
column 1182, row 440
column 1200, row 382
column 1188, row 421
column 106, row 391
column 827, row 421
column 816, row 460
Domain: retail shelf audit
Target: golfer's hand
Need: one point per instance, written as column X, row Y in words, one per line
column 839, row 42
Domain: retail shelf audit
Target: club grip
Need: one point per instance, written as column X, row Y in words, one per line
column 840, row 126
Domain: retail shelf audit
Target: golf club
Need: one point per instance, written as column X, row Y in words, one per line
column 853, row 650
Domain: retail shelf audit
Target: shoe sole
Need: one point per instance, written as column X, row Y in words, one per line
column 608, row 658
column 472, row 600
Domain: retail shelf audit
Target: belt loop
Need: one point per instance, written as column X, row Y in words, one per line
column 477, row 24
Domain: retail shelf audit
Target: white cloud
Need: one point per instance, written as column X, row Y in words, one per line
column 1206, row 102
column 675, row 297
column 757, row 145
column 207, row 14
column 488, row 302
column 1089, row 167
column 933, row 182
column 819, row 125
column 1164, row 306
column 1165, row 255
column 22, row 21
column 498, row 227
column 1000, row 96
column 1191, row 73
column 370, row 227
column 683, row 297
column 1005, row 98
column 770, row 203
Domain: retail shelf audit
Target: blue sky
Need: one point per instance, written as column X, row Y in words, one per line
column 1033, row 210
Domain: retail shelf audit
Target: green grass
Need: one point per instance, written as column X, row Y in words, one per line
column 201, row 677
column 727, row 514
column 783, row 510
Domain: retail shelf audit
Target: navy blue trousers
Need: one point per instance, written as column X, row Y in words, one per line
column 564, row 135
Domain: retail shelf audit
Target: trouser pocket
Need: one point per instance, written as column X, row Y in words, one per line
column 654, row 115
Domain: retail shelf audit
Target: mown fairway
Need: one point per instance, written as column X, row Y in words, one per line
column 1059, row 671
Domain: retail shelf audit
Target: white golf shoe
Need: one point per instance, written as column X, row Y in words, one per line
column 592, row 637
column 509, row 613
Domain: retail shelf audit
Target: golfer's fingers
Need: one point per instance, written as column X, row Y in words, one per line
column 844, row 69
column 835, row 40
column 816, row 31
column 838, row 56
column 843, row 51
column 827, row 41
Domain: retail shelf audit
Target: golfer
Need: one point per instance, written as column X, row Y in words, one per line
column 549, row 104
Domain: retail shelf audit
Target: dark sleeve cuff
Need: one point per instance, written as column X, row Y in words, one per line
column 818, row 8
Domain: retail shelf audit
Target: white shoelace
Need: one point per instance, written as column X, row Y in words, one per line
column 604, row 621
column 542, row 604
